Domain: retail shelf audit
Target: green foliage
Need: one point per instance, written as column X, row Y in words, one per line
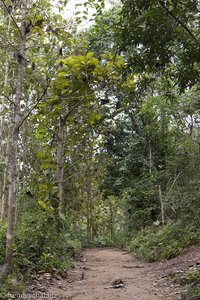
column 73, row 247
column 11, row 285
column 190, row 281
column 157, row 243
column 141, row 202
column 101, row 37
column 174, row 49
column 192, row 276
column 102, row 241
column 51, row 260
column 38, row 246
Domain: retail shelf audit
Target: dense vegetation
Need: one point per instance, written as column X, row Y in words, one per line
column 99, row 136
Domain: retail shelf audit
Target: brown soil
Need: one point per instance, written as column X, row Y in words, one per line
column 113, row 274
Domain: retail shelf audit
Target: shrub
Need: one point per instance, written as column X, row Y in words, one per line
column 191, row 283
column 10, row 285
column 102, row 241
column 157, row 243
column 40, row 245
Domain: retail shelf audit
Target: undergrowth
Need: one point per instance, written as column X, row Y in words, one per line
column 10, row 286
column 43, row 246
column 157, row 243
column 100, row 241
column 190, row 281
column 39, row 246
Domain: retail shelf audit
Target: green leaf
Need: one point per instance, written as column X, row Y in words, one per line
column 59, row 17
column 42, row 204
column 62, row 216
column 90, row 54
column 97, row 116
column 91, row 119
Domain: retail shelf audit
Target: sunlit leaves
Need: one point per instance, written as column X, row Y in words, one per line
column 86, row 69
column 94, row 117
column 42, row 204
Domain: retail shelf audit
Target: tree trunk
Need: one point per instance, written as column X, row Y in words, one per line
column 12, row 170
column 4, row 193
column 89, row 208
column 90, row 205
column 5, row 78
column 161, row 206
column 60, row 161
column 150, row 158
column 111, row 220
column 3, row 205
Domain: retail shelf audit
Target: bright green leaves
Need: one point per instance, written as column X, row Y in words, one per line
column 129, row 84
column 84, row 71
column 90, row 55
column 92, row 118
column 42, row 204
column 78, row 63
column 76, row 72
column 41, row 131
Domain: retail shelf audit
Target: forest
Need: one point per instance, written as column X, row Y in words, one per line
column 99, row 134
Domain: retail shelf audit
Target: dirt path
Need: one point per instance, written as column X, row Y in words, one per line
column 112, row 274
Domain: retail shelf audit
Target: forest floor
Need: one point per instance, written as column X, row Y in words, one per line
column 112, row 274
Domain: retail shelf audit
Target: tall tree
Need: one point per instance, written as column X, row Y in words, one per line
column 31, row 79
column 14, row 137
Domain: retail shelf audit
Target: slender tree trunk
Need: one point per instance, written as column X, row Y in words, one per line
column 150, row 158
column 6, row 77
column 161, row 206
column 60, row 161
column 2, row 126
column 3, row 205
column 111, row 220
column 90, row 205
column 14, row 140
column 4, row 193
column 89, row 208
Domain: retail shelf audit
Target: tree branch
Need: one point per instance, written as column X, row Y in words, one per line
column 197, row 41
column 35, row 105
column 11, row 17
column 68, row 113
